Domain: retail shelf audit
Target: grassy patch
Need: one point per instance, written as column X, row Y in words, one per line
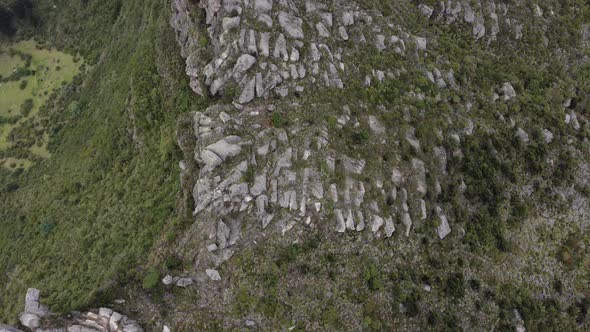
column 45, row 72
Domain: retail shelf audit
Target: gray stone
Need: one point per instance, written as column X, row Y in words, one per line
column 389, row 227
column 347, row 19
column 81, row 328
column 343, row 33
column 314, row 52
column 407, row 222
column 259, row 185
column 522, row 135
column 266, row 19
column 360, row 221
column 548, row 135
column 469, row 16
column 574, row 121
column 322, row 30
column 263, row 5
column 350, row 221
column 376, row 126
column 380, row 42
column 420, row 43
column 229, row 23
column 244, row 62
column 224, row 149
column 291, row 25
column 423, row 214
column 294, row 57
column 249, row 92
column 328, row 19
column 426, row 10
column 132, row 328
column 353, row 165
column 443, row 228
column 264, row 44
column 377, row 222
column 184, row 282
column 213, row 274
column 252, row 50
column 479, row 30
column 114, row 321
column 419, row 176
column 167, row 280
column 280, row 50
column 6, row 328
column 105, row 312
column 508, row 91
column 396, row 176
column 222, row 234
column 29, row 320
column 340, row 223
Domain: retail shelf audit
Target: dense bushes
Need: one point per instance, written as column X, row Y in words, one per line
column 106, row 199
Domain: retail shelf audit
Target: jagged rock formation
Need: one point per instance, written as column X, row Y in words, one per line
column 243, row 173
column 38, row 318
column 266, row 49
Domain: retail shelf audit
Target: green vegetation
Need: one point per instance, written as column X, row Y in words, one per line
column 151, row 280
column 78, row 224
column 34, row 77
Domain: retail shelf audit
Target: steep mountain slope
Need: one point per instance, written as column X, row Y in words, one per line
column 344, row 165
column 76, row 225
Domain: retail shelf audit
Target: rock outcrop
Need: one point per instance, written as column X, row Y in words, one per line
column 38, row 318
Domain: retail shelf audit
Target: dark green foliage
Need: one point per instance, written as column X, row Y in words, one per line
column 26, row 108
column 278, row 120
column 372, row 276
column 455, row 285
column 46, row 227
column 7, row 21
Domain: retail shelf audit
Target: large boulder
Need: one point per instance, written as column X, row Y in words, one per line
column 291, row 24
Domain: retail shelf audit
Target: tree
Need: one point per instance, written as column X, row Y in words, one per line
column 6, row 22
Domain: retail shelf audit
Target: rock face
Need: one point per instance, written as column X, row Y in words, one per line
column 36, row 316
column 242, row 34
column 34, row 311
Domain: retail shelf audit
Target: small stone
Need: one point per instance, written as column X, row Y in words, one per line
column 508, row 91
column 266, row 19
column 548, row 135
column 376, row 223
column 340, row 223
column 347, row 19
column 380, row 42
column 443, row 228
column 263, row 5
column 105, row 312
column 322, row 30
column 343, row 33
column 426, row 10
column 183, row 282
column 420, row 43
column 522, row 135
column 389, row 227
column 213, row 274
